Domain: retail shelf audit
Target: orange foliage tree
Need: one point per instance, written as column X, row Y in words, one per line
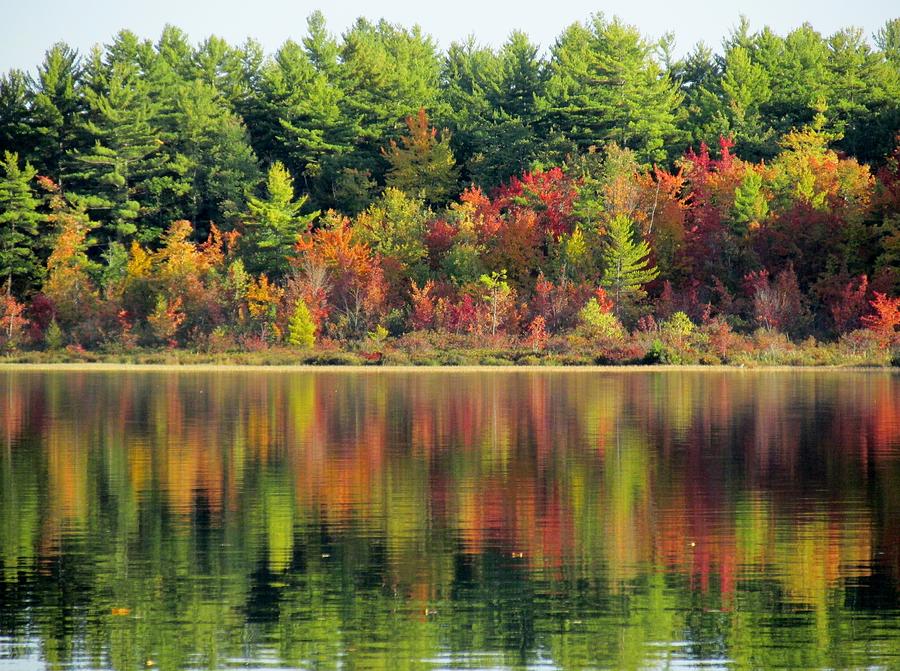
column 885, row 322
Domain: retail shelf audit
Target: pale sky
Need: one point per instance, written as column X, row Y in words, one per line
column 28, row 28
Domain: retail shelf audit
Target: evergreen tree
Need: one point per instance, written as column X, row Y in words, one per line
column 797, row 71
column 699, row 74
column 175, row 51
column 515, row 137
column 229, row 70
column 494, row 102
column 864, row 88
column 422, row 164
column 309, row 123
column 55, row 110
column 16, row 134
column 470, row 78
column 301, row 327
column 114, row 171
column 626, row 266
column 887, row 39
column 386, row 73
column 214, row 151
column 604, row 85
column 745, row 88
column 750, row 204
column 274, row 223
column 521, row 78
column 19, row 220
column 321, row 47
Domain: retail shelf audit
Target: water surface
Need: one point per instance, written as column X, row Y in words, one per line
column 418, row 520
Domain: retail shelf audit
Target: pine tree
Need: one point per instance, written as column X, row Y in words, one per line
column 19, row 220
column 121, row 160
column 887, row 39
column 493, row 108
column 305, row 110
column 626, row 267
column 745, row 88
column 750, row 204
column 274, row 223
column 604, row 85
column 521, row 78
column 214, row 151
column 386, row 73
column 321, row 47
column 422, row 165
column 16, row 133
column 301, row 328
column 55, row 110
column 699, row 74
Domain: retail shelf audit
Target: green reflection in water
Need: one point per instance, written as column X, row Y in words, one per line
column 474, row 519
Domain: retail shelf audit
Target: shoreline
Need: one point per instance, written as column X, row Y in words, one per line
column 392, row 368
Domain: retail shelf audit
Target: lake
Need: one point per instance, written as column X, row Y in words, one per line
column 432, row 519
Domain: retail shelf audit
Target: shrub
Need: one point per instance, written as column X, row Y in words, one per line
column 678, row 325
column 537, row 334
column 601, row 324
column 661, row 353
column 54, row 337
column 886, row 319
column 167, row 317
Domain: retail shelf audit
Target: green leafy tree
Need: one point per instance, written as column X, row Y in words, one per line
column 626, row 265
column 498, row 296
column 19, row 221
column 273, row 224
column 394, row 226
column 600, row 323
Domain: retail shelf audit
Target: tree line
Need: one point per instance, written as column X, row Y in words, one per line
column 167, row 192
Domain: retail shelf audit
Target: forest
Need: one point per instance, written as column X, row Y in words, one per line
column 372, row 198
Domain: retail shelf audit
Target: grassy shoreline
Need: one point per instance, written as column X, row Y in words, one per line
column 173, row 360
column 301, row 368
column 428, row 350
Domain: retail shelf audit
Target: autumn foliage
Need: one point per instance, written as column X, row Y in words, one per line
column 554, row 261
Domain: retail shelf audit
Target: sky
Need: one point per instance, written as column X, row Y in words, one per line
column 28, row 28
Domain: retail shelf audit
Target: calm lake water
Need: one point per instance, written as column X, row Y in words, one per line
column 418, row 520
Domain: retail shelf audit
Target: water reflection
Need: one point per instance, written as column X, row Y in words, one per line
column 422, row 520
